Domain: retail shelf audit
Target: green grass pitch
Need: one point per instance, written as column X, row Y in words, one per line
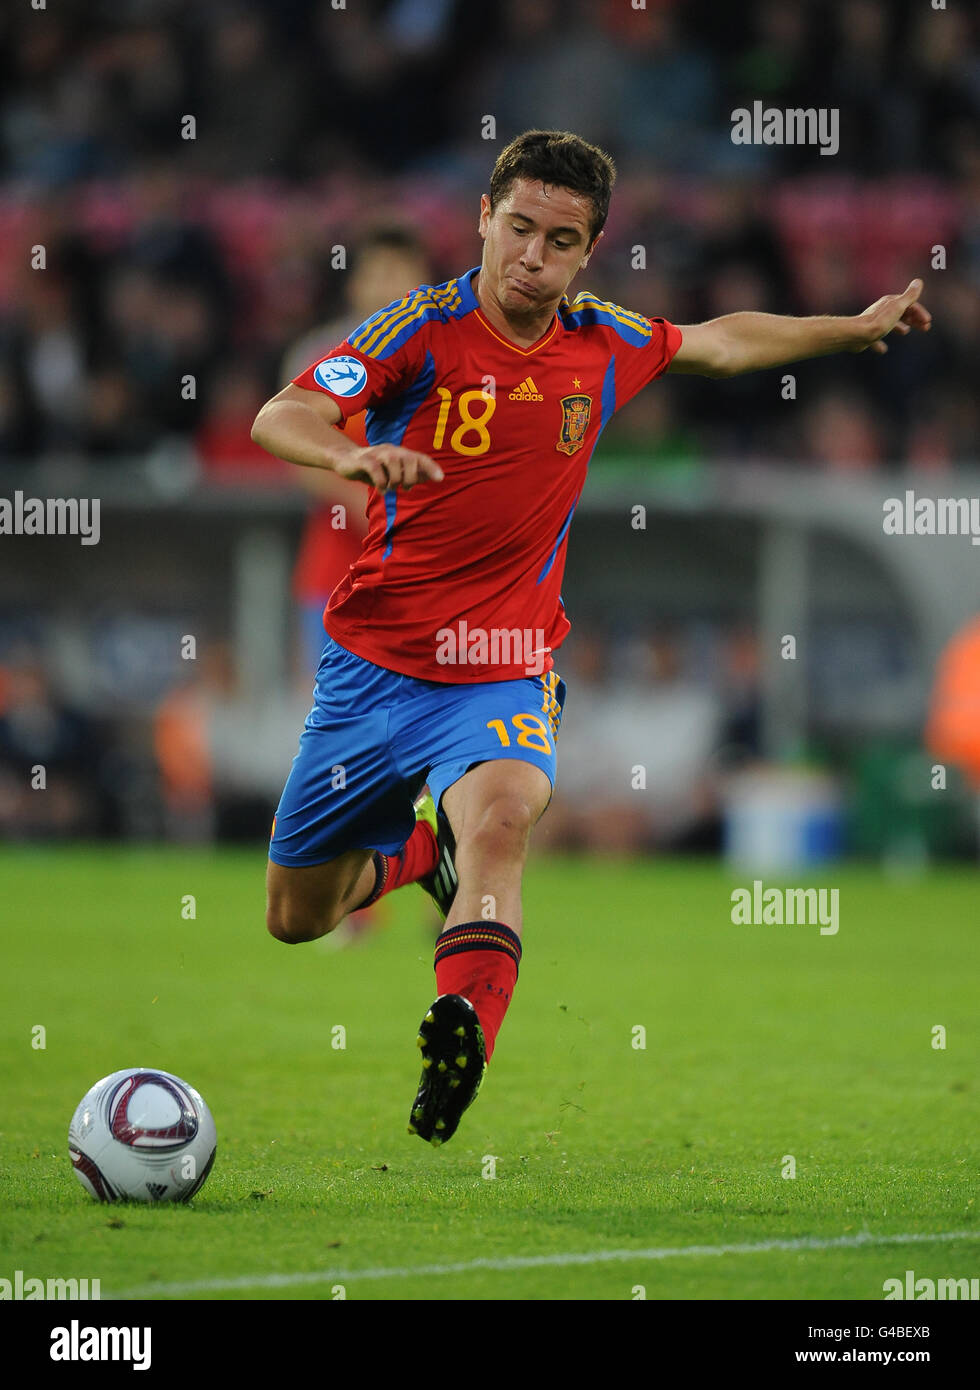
column 761, row 1042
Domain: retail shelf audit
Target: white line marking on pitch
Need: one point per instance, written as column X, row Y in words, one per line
column 511, row 1262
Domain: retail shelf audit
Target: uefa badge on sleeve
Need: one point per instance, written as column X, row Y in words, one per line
column 341, row 376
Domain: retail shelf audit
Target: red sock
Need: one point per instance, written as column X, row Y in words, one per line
column 416, row 858
column 479, row 960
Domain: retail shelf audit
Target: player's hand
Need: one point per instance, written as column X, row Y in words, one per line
column 387, row 466
column 898, row 313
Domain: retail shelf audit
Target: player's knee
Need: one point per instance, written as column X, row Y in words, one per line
column 285, row 925
column 293, row 923
column 503, row 830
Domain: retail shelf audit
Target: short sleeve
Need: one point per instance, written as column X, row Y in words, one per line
column 355, row 380
column 638, row 363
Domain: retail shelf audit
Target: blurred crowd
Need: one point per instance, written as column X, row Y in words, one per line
column 96, row 86
column 178, row 272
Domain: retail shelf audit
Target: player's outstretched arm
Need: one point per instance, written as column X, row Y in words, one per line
column 300, row 426
column 749, row 342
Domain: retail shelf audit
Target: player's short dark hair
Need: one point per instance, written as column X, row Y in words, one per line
column 559, row 159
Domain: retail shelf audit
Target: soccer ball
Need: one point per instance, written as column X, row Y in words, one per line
column 142, row 1135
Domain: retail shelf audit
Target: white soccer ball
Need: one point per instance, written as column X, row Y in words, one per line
column 142, row 1135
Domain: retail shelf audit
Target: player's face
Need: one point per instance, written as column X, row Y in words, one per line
column 535, row 241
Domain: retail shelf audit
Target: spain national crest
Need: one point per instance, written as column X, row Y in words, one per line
column 575, row 421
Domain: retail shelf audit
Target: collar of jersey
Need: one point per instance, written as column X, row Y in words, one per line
column 469, row 301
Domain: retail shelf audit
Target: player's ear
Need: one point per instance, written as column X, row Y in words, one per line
column 588, row 253
column 485, row 213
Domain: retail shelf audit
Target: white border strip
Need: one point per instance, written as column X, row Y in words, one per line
column 513, row 1262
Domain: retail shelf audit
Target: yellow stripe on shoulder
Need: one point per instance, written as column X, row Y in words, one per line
column 445, row 299
column 627, row 316
column 384, row 329
column 399, row 314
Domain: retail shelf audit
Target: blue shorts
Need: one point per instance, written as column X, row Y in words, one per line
column 374, row 738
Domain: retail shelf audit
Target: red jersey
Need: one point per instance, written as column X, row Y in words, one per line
column 452, row 572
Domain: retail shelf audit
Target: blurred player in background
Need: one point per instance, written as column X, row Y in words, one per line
column 952, row 730
column 387, row 263
column 485, row 397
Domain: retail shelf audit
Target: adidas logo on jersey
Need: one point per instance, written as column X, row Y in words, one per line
column 527, row 391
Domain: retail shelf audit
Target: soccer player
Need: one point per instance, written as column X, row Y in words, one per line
column 485, row 397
